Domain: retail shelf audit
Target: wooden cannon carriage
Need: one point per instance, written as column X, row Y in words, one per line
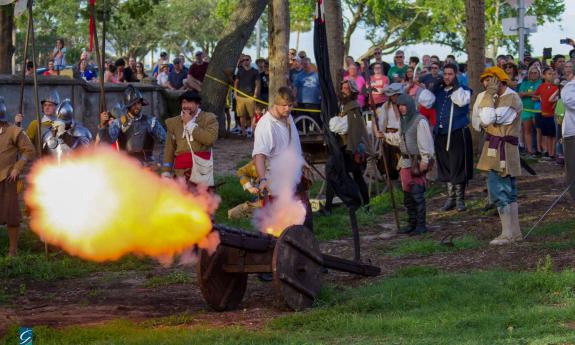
column 294, row 260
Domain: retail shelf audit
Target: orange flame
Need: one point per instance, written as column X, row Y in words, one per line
column 101, row 205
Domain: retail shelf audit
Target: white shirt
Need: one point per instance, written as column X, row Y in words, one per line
column 568, row 96
column 272, row 136
column 499, row 115
column 387, row 112
column 162, row 78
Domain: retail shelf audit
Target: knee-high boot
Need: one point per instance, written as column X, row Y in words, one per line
column 418, row 194
column 410, row 206
column 450, row 202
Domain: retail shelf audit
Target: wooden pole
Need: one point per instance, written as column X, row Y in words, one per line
column 99, row 61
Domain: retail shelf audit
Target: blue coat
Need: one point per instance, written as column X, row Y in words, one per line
column 442, row 107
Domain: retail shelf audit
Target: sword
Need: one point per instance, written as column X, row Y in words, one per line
column 449, row 128
column 549, row 209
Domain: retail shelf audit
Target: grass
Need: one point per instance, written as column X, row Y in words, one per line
column 554, row 228
column 427, row 246
column 418, row 306
column 172, row 278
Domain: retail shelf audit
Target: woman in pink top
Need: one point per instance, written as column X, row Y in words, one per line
column 353, row 71
column 410, row 84
column 378, row 81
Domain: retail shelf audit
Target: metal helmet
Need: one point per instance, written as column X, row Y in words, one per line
column 53, row 97
column 65, row 112
column 3, row 110
column 118, row 110
column 133, row 95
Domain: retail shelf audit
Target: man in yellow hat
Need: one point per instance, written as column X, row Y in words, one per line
column 497, row 112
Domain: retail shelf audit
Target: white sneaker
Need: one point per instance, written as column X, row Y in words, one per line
column 235, row 130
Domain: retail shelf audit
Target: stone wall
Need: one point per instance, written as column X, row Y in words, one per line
column 84, row 96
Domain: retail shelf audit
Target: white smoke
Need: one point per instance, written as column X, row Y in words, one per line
column 284, row 210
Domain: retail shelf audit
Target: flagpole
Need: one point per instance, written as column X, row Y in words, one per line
column 26, row 43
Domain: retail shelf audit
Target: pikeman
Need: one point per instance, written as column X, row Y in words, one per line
column 499, row 110
column 66, row 134
column 15, row 150
column 135, row 132
column 190, row 137
column 49, row 104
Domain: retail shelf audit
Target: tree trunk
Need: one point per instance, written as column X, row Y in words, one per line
column 6, row 47
column 278, row 40
column 357, row 16
column 225, row 57
column 334, row 27
column 475, row 39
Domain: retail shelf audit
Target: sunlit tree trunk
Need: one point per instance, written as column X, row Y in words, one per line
column 6, row 47
column 278, row 39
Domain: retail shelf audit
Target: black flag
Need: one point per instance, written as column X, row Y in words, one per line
column 337, row 177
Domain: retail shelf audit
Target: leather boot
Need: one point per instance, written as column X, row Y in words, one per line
column 516, row 234
column 506, row 227
column 410, row 206
column 460, row 197
column 418, row 194
column 450, row 202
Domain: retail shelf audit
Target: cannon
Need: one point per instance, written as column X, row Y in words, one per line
column 294, row 260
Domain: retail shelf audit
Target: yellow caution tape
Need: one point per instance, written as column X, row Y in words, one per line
column 256, row 99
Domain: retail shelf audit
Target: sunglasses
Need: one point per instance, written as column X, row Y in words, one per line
column 399, row 57
column 377, row 53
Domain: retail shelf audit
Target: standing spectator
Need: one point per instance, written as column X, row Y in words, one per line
column 410, row 86
column 377, row 54
column 378, row 81
column 163, row 76
column 349, row 60
column 197, row 72
column 123, row 74
column 450, row 59
column 260, row 64
column 501, row 61
column 265, row 82
column 413, row 61
column 248, row 83
column 295, row 69
column 302, row 55
column 140, row 73
column 164, row 58
column 397, row 72
column 133, row 66
column 59, row 55
column 558, row 65
column 547, row 120
column 29, row 69
column 51, row 71
column 177, row 76
column 183, row 60
column 568, row 97
column 84, row 72
column 308, row 90
column 430, row 79
column 454, row 162
column 110, row 74
column 529, row 113
column 512, row 72
column 353, row 74
column 426, row 61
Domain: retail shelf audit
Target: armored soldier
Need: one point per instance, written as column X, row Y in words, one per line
column 15, row 151
column 135, row 132
column 49, row 105
column 65, row 134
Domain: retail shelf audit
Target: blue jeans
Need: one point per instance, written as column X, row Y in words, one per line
column 502, row 190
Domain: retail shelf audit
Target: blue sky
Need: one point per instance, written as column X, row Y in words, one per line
column 547, row 35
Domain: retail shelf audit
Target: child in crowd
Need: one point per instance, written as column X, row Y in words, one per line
column 260, row 110
column 547, row 120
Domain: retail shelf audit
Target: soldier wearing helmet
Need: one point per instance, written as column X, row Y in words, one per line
column 49, row 104
column 135, row 132
column 65, row 134
column 15, row 150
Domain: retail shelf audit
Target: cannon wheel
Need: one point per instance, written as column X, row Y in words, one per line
column 221, row 290
column 306, row 124
column 297, row 266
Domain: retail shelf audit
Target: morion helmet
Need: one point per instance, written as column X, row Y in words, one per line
column 3, row 110
column 132, row 95
column 65, row 112
column 53, row 97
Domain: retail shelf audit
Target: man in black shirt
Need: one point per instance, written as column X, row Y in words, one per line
column 249, row 85
column 429, row 79
column 377, row 55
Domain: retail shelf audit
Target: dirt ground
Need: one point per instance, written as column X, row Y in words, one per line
column 113, row 295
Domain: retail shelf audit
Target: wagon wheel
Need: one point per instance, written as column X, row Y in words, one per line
column 306, row 124
column 297, row 266
column 221, row 290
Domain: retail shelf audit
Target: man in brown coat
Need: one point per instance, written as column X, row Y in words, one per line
column 189, row 140
column 15, row 150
